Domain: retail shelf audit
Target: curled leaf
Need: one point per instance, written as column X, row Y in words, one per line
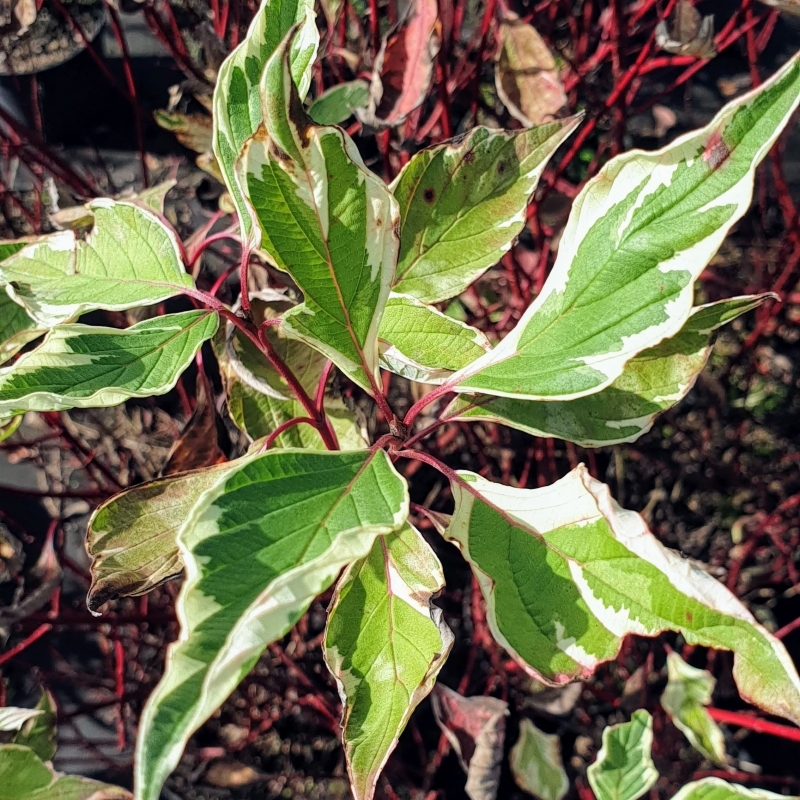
column 476, row 730
column 687, row 33
column 404, row 67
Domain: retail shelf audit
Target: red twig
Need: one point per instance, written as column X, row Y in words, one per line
column 25, row 643
column 755, row 724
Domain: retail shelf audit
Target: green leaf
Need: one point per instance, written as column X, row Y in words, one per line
column 237, row 104
column 462, row 205
column 82, row 366
column 607, row 576
column 717, row 789
column 39, row 733
column 259, row 400
column 624, row 769
column 326, row 220
column 129, row 259
column 16, row 328
column 650, row 383
column 639, row 235
column 133, row 537
column 258, row 546
column 536, row 763
column 384, row 640
column 422, row 344
column 685, row 697
column 338, row 103
column 155, row 196
column 23, row 776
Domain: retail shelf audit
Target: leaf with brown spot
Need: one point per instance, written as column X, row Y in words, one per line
column 526, row 75
column 404, row 67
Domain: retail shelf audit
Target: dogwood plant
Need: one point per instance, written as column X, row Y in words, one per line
column 613, row 338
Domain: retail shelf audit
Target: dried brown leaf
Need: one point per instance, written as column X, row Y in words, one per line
column 526, row 75
column 198, row 445
column 687, row 33
column 787, row 6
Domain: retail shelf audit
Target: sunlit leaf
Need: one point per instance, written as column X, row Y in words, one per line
column 422, row 344
column 237, row 103
column 129, row 259
column 16, row 328
column 717, row 789
column 258, row 546
column 624, row 769
column 24, row 776
column 526, row 75
column 639, row 235
column 536, row 763
column 651, row 382
column 607, row 576
column 685, row 697
column 338, row 103
column 82, row 366
column 384, row 640
column 326, row 220
column 462, row 205
column 404, row 67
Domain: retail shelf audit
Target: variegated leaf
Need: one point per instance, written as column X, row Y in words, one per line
column 260, row 401
column 237, row 103
column 650, row 383
column 462, row 205
column 607, row 576
column 326, row 220
column 24, row 776
column 12, row 718
column 717, row 789
column 258, row 546
column 536, row 763
column 624, row 769
column 132, row 538
column 422, row 344
column 639, row 235
column 685, row 698
column 82, row 366
column 39, row 732
column 384, row 640
column 16, row 328
column 129, row 259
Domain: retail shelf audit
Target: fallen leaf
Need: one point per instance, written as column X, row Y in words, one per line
column 404, row 67
column 526, row 74
column 227, row 774
column 198, row 445
column 664, row 119
column 687, row 33
column 476, row 730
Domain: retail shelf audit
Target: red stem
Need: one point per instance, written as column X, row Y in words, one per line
column 755, row 724
column 25, row 643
